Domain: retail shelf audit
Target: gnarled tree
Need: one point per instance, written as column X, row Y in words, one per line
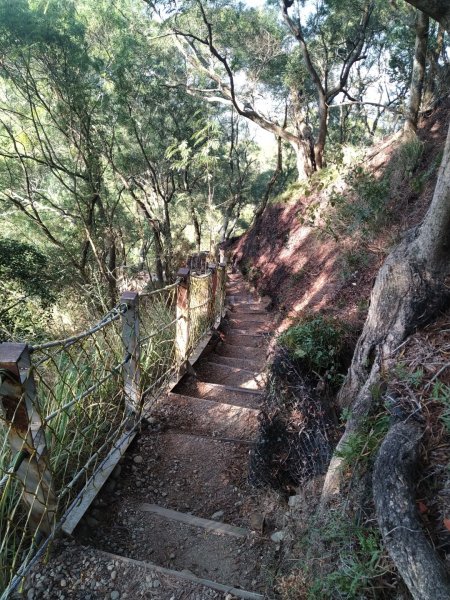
column 411, row 286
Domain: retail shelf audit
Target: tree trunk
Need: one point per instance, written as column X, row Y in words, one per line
column 394, row 478
column 304, row 154
column 418, row 72
column 275, row 175
column 227, row 217
column 167, row 232
column 322, row 135
column 197, row 228
column 158, row 254
column 439, row 10
column 410, row 288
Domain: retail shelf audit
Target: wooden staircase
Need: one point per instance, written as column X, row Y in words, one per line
column 173, row 522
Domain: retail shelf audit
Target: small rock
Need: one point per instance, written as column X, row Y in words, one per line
column 63, row 583
column 294, row 501
column 113, row 575
column 138, row 459
column 257, row 521
column 217, row 515
column 277, row 537
column 30, row 594
column 115, row 595
column 172, row 556
column 156, row 583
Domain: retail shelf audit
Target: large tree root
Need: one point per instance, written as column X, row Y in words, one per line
column 393, row 491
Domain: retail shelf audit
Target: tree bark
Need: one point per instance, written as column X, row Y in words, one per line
column 195, row 221
column 278, row 170
column 319, row 147
column 418, row 72
column 158, row 253
column 439, row 10
column 394, row 477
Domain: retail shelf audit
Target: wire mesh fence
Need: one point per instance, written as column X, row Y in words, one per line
column 158, row 359
column 67, row 404
column 199, row 307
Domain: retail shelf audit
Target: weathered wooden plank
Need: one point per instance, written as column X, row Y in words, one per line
column 77, row 509
column 208, row 524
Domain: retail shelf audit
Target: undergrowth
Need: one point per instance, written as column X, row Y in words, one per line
column 357, row 202
column 338, row 558
column 317, row 342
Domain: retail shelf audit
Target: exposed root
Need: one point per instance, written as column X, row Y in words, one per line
column 393, row 489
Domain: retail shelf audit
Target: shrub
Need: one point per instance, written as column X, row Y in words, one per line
column 318, row 343
column 25, row 291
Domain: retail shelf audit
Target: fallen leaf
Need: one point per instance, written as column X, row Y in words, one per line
column 447, row 523
column 422, row 507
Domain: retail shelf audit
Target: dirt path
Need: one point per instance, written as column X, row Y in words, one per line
column 175, row 520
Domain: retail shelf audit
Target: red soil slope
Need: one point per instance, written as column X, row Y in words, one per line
column 302, row 270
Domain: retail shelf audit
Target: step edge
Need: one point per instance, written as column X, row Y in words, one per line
column 234, row 369
column 220, row 587
column 247, row 361
column 233, row 389
column 216, row 527
column 214, row 402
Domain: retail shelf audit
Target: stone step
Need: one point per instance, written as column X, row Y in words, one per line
column 247, row 309
column 258, row 326
column 244, row 363
column 246, row 300
column 247, row 340
column 225, row 349
column 146, row 536
column 225, row 375
column 184, row 472
column 90, row 573
column 207, row 417
column 236, row 313
column 190, row 386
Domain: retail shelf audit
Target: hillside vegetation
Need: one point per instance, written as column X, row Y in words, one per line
column 315, row 252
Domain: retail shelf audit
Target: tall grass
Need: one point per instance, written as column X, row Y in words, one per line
column 82, row 405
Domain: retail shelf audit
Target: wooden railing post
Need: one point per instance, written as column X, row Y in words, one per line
column 182, row 315
column 130, row 338
column 26, row 435
column 212, row 299
column 221, row 285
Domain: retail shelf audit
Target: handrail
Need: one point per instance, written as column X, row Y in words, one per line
column 87, row 391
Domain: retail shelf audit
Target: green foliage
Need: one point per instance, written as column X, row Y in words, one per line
column 337, row 558
column 317, row 342
column 26, row 268
column 360, row 448
column 441, row 393
column 414, row 379
column 352, row 261
column 26, row 291
column 360, row 210
column 359, row 563
column 407, row 156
